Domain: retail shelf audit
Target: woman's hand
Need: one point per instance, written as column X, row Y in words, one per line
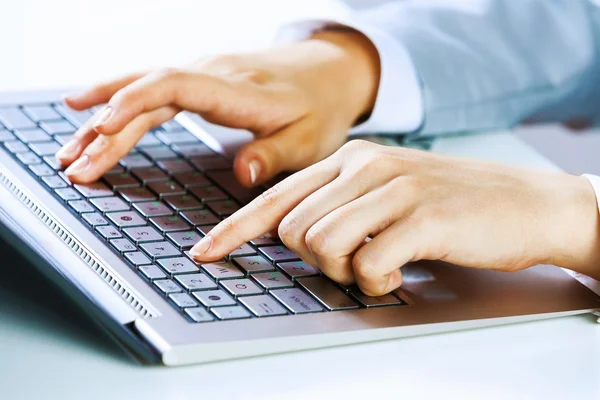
column 299, row 101
column 418, row 206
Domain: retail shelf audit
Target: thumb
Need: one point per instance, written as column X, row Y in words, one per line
column 292, row 148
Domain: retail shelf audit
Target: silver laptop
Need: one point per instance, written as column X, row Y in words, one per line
column 119, row 247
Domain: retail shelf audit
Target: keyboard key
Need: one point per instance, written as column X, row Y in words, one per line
column 191, row 179
column 143, row 234
column 122, row 245
column 349, row 288
column 126, row 219
column 137, row 258
column 6, row 136
column 243, row 250
column 109, row 204
column 54, row 182
column 136, row 194
column 298, row 269
column 183, row 300
column 199, row 314
column 16, row 146
column 175, row 166
column 96, row 189
column 67, row 194
column 53, row 162
column 151, row 209
column 193, row 150
column 385, row 300
column 214, row 298
column 151, row 272
column 135, row 161
column 32, row 135
column 184, row 240
column 77, row 118
column 278, row 253
column 222, row 270
column 223, row 207
column 211, row 163
column 297, row 301
column 94, row 219
column 167, row 286
column 157, row 153
column 41, row 170
column 265, row 240
column 200, row 217
column 228, row 181
column 253, row 264
column 150, row 174
column 263, row 306
column 160, row 250
column 63, row 139
column 183, row 202
column 204, row 229
column 241, row 287
column 327, row 293
column 193, row 282
column 172, row 125
column 108, row 232
column 177, row 265
column 148, row 140
column 44, row 148
column 41, row 113
column 121, row 181
column 235, row 312
column 180, row 137
column 57, row 127
column 13, row 118
column 171, row 223
column 166, row 188
column 81, row 206
column 205, row 193
column 28, row 158
column 65, row 177
column 272, row 280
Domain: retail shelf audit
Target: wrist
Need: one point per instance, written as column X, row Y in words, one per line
column 575, row 233
column 358, row 70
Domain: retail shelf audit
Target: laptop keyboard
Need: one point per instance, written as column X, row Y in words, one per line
column 167, row 193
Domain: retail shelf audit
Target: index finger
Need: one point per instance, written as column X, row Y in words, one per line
column 264, row 213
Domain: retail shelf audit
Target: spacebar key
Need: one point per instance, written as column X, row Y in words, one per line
column 327, row 294
column 227, row 180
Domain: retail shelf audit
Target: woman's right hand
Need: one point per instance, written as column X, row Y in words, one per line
column 298, row 100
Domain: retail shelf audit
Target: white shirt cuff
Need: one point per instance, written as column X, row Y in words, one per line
column 595, row 181
column 399, row 105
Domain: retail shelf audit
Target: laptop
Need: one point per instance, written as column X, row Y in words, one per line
column 119, row 249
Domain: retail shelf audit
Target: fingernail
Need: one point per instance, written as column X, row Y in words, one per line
column 104, row 117
column 80, row 165
column 254, row 167
column 201, row 247
column 69, row 150
column 67, row 96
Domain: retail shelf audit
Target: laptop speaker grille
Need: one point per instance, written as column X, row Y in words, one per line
column 68, row 239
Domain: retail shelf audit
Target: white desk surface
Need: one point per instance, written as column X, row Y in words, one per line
column 45, row 352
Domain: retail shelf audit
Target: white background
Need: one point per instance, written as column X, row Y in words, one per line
column 72, row 43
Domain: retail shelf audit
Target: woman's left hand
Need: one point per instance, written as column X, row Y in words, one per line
column 418, row 206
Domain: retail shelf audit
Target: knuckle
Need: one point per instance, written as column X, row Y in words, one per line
column 364, row 266
column 220, row 61
column 316, row 241
column 288, row 232
column 167, row 73
column 228, row 225
column 270, row 197
column 356, row 145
